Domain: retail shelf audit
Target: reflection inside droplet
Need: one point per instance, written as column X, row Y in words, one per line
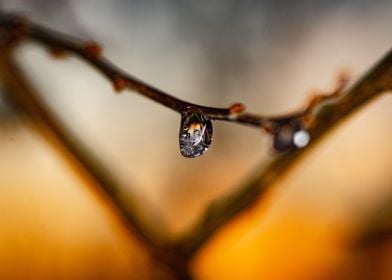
column 195, row 134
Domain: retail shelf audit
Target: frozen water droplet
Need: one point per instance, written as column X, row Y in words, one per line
column 195, row 134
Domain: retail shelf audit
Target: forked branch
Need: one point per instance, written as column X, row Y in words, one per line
column 321, row 114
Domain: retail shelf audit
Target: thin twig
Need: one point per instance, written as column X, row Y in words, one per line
column 91, row 52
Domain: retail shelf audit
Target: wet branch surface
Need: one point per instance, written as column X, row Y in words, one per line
column 322, row 114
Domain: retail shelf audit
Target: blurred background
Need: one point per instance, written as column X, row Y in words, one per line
column 267, row 54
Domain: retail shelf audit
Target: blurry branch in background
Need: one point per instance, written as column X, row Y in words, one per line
column 370, row 244
column 25, row 97
column 321, row 114
column 376, row 228
column 106, row 186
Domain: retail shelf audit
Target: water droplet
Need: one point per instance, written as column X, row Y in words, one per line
column 301, row 138
column 195, row 134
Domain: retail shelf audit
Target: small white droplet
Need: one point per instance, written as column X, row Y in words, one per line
column 301, row 138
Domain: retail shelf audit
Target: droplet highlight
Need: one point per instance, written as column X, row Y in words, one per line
column 301, row 138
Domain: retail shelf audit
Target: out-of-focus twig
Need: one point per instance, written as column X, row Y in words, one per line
column 376, row 227
column 23, row 94
column 104, row 184
column 109, row 189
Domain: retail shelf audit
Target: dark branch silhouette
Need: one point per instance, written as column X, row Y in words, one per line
column 59, row 44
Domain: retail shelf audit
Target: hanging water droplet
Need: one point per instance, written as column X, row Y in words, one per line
column 195, row 134
column 301, row 138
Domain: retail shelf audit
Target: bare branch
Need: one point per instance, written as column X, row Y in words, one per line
column 59, row 44
column 321, row 114
column 24, row 96
column 328, row 116
column 104, row 184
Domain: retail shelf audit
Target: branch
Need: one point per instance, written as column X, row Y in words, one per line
column 376, row 228
column 321, row 114
column 221, row 211
column 105, row 185
column 24, row 96
column 91, row 52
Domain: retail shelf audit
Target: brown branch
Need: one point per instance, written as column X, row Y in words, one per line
column 104, row 184
column 221, row 211
column 24, row 96
column 59, row 44
column 376, row 227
